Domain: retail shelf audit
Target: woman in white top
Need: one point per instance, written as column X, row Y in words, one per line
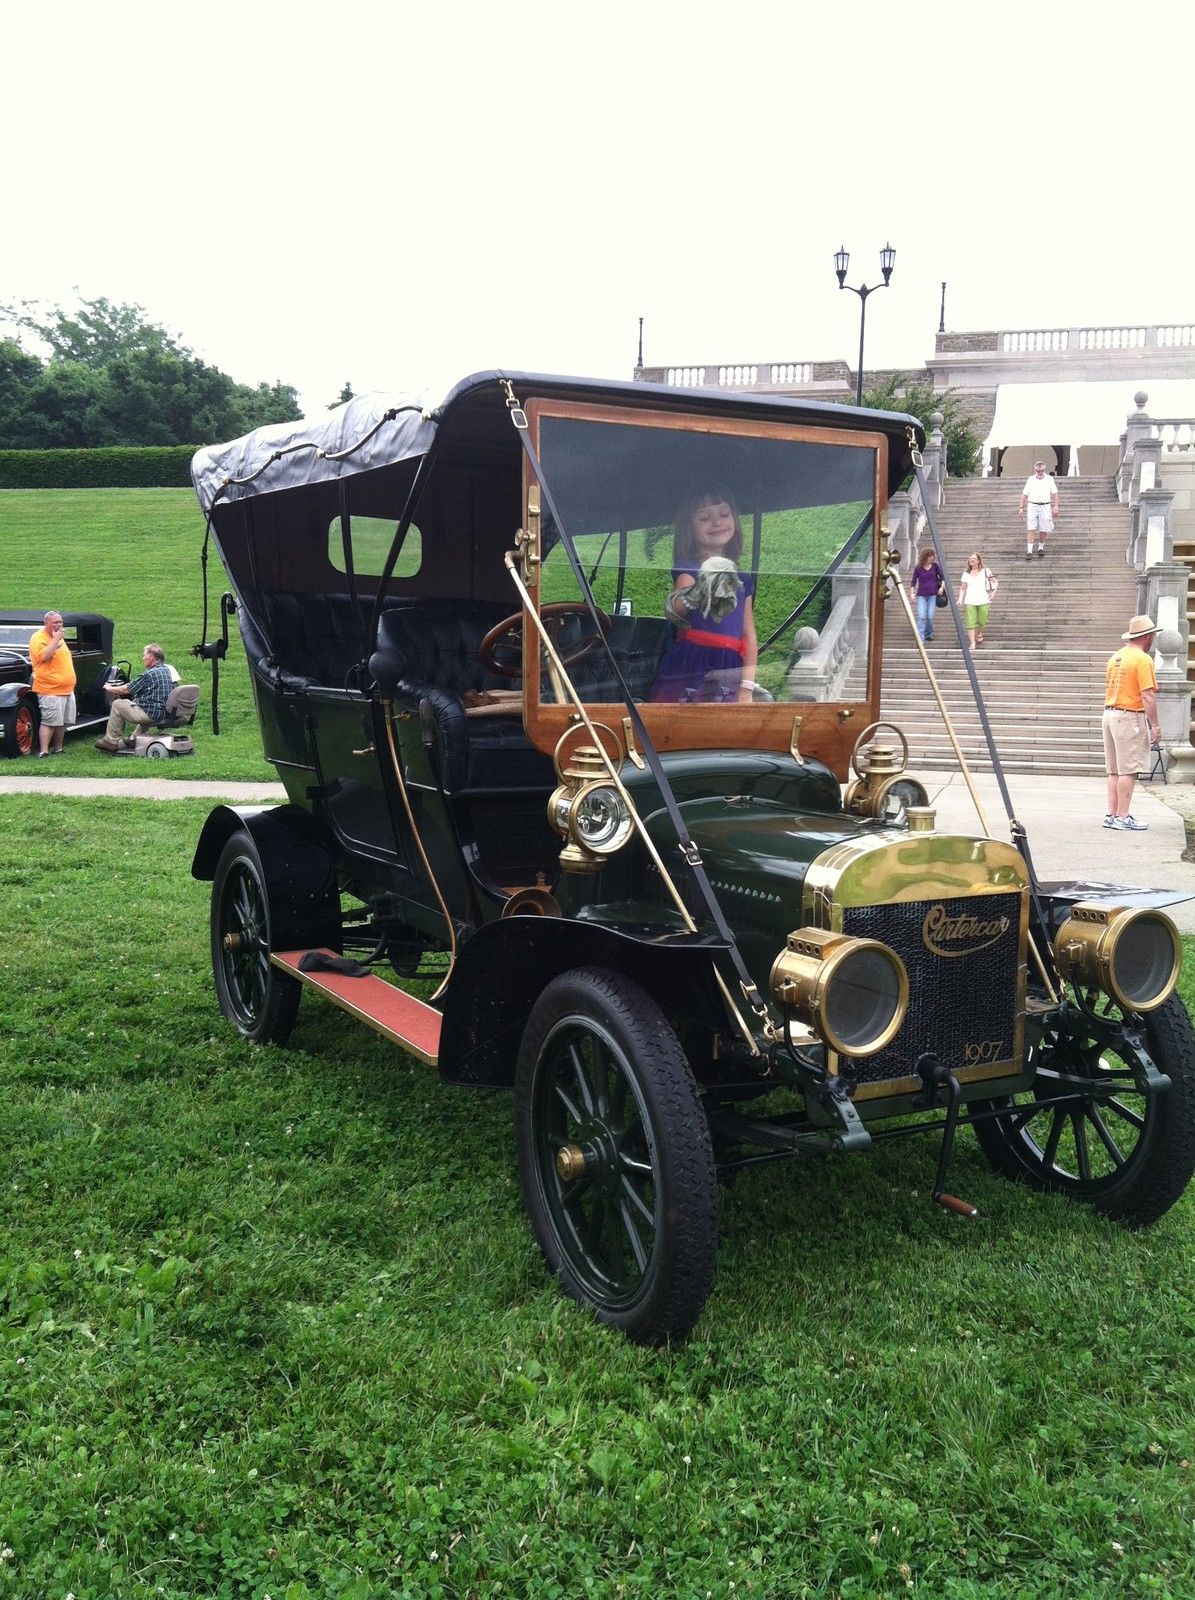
column 975, row 592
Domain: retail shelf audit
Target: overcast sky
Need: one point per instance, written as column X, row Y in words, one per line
column 399, row 195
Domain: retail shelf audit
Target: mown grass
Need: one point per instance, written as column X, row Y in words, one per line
column 272, row 1323
column 133, row 554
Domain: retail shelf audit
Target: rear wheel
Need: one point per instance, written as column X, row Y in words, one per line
column 259, row 1000
column 1105, row 1140
column 615, row 1155
column 19, row 723
column 157, row 751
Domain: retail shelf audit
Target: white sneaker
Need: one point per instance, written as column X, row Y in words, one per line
column 1131, row 825
column 1110, row 820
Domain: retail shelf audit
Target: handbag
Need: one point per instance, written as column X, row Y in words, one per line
column 992, row 583
column 941, row 600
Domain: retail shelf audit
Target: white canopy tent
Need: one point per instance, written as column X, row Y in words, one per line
column 1032, row 418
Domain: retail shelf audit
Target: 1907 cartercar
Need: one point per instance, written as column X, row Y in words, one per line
column 564, row 679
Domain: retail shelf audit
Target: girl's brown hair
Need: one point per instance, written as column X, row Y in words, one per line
column 684, row 539
column 926, row 556
column 975, row 556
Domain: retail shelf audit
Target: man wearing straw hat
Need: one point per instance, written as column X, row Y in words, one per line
column 1130, row 721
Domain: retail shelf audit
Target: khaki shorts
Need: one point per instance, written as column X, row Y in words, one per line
column 57, row 710
column 1126, row 743
column 1040, row 517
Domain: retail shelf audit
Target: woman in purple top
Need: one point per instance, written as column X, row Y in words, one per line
column 929, row 581
column 707, row 524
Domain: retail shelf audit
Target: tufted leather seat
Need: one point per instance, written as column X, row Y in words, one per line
column 316, row 636
column 428, row 652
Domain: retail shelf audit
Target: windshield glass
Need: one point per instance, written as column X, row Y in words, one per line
column 736, row 566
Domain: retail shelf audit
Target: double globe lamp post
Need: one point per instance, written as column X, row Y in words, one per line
column 841, row 262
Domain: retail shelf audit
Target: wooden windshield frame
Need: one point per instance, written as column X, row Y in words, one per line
column 828, row 728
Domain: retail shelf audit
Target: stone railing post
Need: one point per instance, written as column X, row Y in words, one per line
column 1143, row 480
column 1152, row 550
column 901, row 535
column 934, row 456
column 826, row 660
column 852, row 582
column 1138, row 427
column 1174, row 703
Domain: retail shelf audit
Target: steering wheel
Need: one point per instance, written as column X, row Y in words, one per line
column 501, row 651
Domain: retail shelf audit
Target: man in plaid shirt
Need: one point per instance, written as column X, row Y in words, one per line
column 141, row 702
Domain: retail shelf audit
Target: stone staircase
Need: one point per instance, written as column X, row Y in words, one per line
column 1053, row 625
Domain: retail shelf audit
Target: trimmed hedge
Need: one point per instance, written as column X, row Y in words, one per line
column 115, row 467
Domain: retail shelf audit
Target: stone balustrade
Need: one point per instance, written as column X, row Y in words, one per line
column 782, row 375
column 1069, row 341
column 822, row 671
column 1176, row 433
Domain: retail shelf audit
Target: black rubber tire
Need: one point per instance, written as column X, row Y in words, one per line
column 260, row 1001
column 635, row 1237
column 20, row 724
column 1150, row 1176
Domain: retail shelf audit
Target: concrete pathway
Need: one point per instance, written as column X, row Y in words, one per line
column 148, row 788
column 1063, row 817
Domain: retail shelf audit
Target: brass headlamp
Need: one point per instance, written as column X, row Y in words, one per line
column 853, row 993
column 1132, row 953
column 881, row 788
column 588, row 810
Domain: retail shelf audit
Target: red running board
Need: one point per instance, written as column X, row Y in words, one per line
column 371, row 1000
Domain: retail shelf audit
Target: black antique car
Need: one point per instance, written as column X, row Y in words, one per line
column 89, row 637
column 565, row 680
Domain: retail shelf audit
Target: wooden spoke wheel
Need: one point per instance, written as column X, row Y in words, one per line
column 615, row 1155
column 1104, row 1139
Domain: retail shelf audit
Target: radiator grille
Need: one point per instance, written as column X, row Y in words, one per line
column 962, row 1008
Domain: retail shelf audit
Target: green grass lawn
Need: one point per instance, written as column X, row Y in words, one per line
column 272, row 1323
column 133, row 554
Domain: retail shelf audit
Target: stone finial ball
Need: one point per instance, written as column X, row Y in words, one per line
column 1139, row 399
column 1170, row 641
column 805, row 638
column 937, row 419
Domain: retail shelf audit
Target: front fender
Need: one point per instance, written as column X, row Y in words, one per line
column 501, row 971
column 12, row 694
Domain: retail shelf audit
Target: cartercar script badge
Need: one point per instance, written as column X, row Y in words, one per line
column 946, row 935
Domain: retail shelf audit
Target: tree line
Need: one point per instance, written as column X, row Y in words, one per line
column 112, row 378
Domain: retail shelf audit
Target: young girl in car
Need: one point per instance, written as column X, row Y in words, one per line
column 714, row 654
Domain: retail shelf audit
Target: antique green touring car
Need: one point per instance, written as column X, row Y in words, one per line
column 573, row 687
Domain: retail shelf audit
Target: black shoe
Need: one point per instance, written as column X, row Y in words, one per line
column 1028, row 555
column 1041, row 549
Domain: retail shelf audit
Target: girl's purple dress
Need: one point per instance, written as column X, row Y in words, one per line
column 696, row 651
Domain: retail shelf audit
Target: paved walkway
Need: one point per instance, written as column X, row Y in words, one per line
column 1062, row 815
column 149, row 788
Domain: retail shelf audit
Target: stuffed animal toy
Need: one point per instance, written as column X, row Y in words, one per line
column 717, row 590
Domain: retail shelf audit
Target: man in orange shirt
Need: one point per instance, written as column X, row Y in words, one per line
column 1130, row 721
column 53, row 682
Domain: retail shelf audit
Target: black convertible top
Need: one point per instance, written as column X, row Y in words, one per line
column 378, row 430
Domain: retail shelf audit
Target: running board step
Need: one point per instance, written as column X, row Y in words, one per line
column 400, row 1017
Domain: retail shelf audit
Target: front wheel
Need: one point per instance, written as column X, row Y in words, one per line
column 260, row 1001
column 615, row 1156
column 1104, row 1139
column 18, row 729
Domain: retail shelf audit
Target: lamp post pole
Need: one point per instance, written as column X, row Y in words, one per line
column 842, row 261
